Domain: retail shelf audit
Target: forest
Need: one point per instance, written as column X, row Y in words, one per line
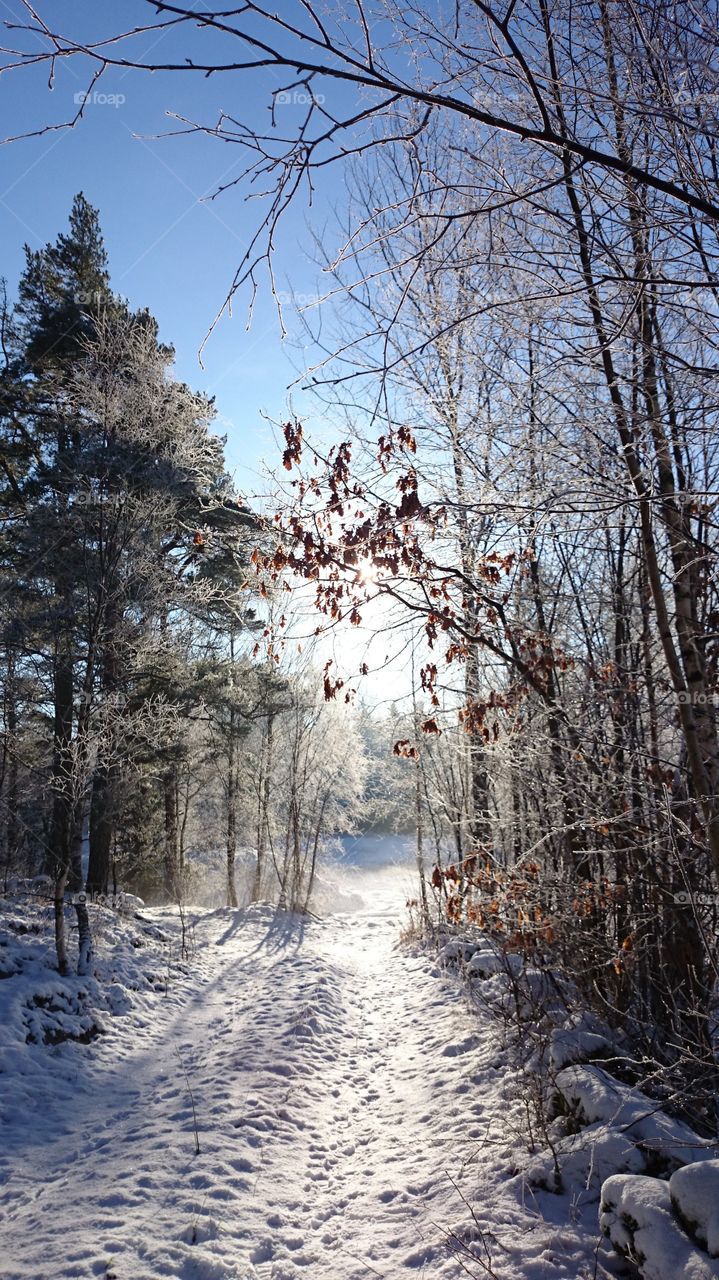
column 136, row 722
column 495, row 500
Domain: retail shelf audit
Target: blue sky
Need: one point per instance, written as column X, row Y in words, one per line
column 169, row 249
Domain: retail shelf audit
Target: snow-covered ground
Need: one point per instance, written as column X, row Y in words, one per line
column 354, row 1114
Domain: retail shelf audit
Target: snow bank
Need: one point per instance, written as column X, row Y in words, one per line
column 481, row 959
column 130, row 903
column 569, row 1045
column 637, row 1217
column 40, row 885
column 461, row 951
column 600, row 1139
column 487, row 963
column 592, row 1095
column 39, row 1007
column 694, row 1193
column 585, row 1159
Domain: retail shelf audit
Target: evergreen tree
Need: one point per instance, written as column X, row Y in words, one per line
column 61, row 292
column 126, row 530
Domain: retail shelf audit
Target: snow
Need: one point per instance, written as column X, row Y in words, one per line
column 569, row 1045
column 485, row 964
column 637, row 1216
column 460, row 951
column 594, row 1095
column 586, row 1159
column 695, row 1197
column 356, row 1115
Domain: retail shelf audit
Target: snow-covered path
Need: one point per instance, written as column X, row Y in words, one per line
column 340, row 1085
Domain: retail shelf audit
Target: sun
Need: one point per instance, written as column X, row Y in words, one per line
column 368, row 574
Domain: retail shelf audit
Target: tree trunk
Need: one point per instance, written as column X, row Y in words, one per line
column 102, row 825
column 263, row 816
column 480, row 826
column 60, row 935
column 232, row 788
column 57, row 859
column 420, row 842
column 12, row 825
column 681, row 646
column 172, row 857
column 479, row 820
column 84, row 933
column 233, row 784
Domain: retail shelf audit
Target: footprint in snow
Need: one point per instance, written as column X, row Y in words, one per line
column 263, row 1252
column 462, row 1046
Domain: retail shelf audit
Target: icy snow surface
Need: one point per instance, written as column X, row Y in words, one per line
column 350, row 1106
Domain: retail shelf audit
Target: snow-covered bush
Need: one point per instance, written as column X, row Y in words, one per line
column 459, row 951
column 584, row 1159
column 486, row 962
column 39, row 1007
column 577, row 1044
column 638, row 1219
column 694, row 1192
column 590, row 1095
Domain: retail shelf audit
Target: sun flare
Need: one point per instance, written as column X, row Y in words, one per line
column 368, row 573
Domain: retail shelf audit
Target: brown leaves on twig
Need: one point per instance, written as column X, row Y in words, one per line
column 292, row 455
column 331, row 687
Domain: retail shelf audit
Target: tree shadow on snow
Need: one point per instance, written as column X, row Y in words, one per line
column 284, row 929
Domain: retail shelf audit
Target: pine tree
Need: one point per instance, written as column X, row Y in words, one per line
column 62, row 290
column 126, row 531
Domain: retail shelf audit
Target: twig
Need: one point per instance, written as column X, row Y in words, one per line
column 192, row 1101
